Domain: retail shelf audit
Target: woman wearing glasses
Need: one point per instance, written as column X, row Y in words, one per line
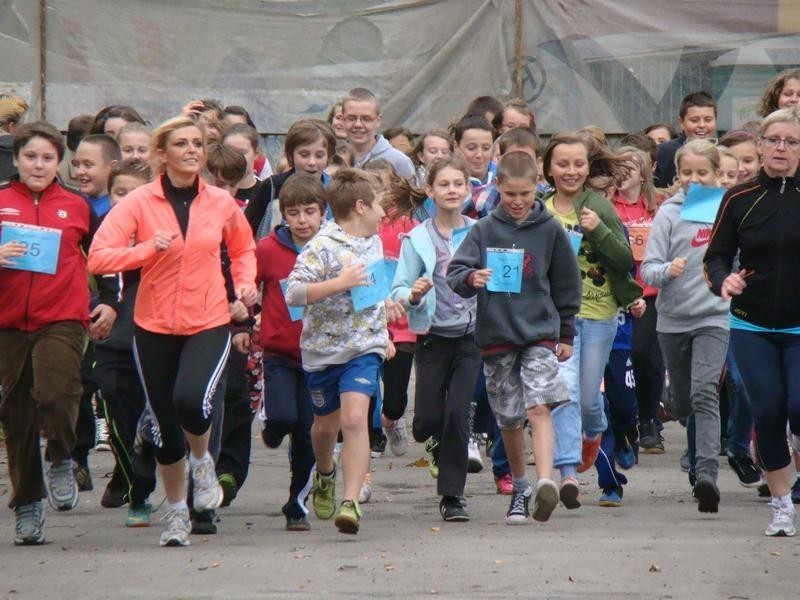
column 760, row 220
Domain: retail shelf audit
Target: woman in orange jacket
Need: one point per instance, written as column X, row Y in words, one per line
column 172, row 229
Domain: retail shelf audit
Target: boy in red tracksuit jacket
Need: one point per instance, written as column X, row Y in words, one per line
column 287, row 404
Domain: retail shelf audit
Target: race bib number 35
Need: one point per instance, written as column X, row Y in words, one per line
column 43, row 245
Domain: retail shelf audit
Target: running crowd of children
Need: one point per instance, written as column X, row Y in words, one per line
column 571, row 297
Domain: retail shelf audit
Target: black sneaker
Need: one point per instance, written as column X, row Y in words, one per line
column 204, row 522
column 749, row 476
column 116, row 492
column 707, row 495
column 796, row 492
column 763, row 491
column 82, row 477
column 650, row 440
column 297, row 523
column 518, row 511
column 452, row 508
column 378, row 446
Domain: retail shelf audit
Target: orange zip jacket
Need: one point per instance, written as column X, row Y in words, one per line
column 182, row 290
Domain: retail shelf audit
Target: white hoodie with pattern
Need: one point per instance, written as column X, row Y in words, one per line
column 333, row 332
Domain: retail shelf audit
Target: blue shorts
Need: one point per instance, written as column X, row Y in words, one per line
column 360, row 375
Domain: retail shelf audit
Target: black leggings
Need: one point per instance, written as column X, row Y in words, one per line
column 648, row 365
column 180, row 375
column 396, row 374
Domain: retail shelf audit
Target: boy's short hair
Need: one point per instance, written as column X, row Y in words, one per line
column 225, row 163
column 517, row 165
column 483, row 104
column 472, row 122
column 132, row 167
column 239, row 111
column 518, row 137
column 393, row 132
column 308, row 131
column 245, row 131
column 672, row 133
column 109, row 148
column 349, row 185
column 361, row 95
column 25, row 133
column 302, row 189
column 700, row 99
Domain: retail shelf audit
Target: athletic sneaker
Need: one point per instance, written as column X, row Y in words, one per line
column 545, row 500
column 139, row 515
column 176, row 527
column 611, row 497
column 348, row 517
column 432, row 449
column 29, row 524
column 207, row 491
column 782, row 520
column 796, row 491
column 569, row 493
column 62, row 489
column 763, row 492
column 378, row 447
column 626, row 456
column 518, row 511
column 204, row 522
column 397, row 437
column 116, row 492
column 504, row 484
column 650, row 440
column 589, row 451
column 101, row 443
column 323, row 495
column 365, row 493
column 474, row 461
column 337, row 455
column 747, row 472
column 453, row 508
column 82, row 477
column 229, row 488
column 531, row 460
column 297, row 524
column 707, row 495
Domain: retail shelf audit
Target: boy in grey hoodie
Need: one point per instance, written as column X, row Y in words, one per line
column 692, row 322
column 525, row 330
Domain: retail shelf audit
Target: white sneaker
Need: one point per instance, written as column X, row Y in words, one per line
column 177, row 526
column 207, row 491
column 337, row 455
column 365, row 493
column 782, row 520
column 397, row 437
column 474, row 461
column 101, row 435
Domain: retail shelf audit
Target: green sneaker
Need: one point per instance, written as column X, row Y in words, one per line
column 139, row 515
column 323, row 495
column 432, row 448
column 348, row 516
column 229, row 488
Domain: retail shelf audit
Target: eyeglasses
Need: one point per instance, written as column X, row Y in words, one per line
column 364, row 120
column 774, row 141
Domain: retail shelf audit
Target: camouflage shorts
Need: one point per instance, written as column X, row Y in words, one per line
column 517, row 381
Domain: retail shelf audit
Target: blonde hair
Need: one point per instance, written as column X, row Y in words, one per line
column 12, row 109
column 698, row 147
column 790, row 114
column 642, row 160
column 161, row 135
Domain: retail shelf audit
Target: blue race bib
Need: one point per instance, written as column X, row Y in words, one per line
column 43, row 246
column 377, row 291
column 295, row 312
column 506, row 266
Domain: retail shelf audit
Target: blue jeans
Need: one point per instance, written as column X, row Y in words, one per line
column 740, row 419
column 583, row 373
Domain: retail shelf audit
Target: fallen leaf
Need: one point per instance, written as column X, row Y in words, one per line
column 347, row 567
column 436, row 529
column 214, row 565
column 391, row 464
column 498, row 562
column 388, row 567
column 420, row 462
column 202, row 568
column 571, row 578
column 775, row 553
column 654, row 568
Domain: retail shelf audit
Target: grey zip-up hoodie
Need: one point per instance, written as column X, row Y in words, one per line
column 684, row 303
column 550, row 297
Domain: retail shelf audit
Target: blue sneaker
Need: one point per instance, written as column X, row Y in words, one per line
column 611, row 497
column 626, row 457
